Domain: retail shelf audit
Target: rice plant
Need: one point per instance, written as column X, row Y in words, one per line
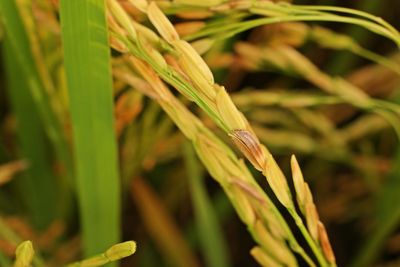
column 213, row 133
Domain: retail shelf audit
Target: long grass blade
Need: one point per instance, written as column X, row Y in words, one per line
column 38, row 184
column 87, row 63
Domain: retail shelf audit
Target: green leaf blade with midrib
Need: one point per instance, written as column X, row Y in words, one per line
column 87, row 62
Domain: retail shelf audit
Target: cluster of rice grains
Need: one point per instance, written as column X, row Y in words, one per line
column 168, row 58
column 336, row 122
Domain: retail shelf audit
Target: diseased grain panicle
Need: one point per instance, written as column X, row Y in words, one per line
column 245, row 196
column 249, row 145
column 189, row 46
column 184, row 64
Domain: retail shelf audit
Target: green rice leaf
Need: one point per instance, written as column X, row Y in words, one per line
column 87, row 63
column 38, row 184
